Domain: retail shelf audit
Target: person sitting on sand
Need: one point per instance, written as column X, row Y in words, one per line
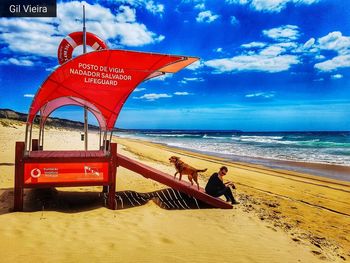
column 216, row 186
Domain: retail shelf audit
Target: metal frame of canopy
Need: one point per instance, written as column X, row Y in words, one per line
column 55, row 104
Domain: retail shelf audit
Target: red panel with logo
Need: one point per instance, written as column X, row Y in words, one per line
column 36, row 173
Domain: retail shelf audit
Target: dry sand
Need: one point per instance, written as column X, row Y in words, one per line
column 283, row 216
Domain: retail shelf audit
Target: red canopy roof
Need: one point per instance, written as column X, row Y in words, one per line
column 102, row 81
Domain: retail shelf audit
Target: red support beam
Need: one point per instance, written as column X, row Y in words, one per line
column 112, row 176
column 19, row 177
column 35, row 145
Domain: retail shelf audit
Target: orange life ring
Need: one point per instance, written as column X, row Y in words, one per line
column 69, row 43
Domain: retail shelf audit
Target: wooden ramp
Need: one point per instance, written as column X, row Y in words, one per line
column 169, row 180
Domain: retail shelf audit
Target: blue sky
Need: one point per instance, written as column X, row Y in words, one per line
column 266, row 65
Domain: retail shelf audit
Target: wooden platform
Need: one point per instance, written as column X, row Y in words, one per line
column 66, row 154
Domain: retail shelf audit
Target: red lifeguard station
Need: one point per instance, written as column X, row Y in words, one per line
column 101, row 82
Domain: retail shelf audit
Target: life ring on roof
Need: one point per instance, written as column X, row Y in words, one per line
column 69, row 43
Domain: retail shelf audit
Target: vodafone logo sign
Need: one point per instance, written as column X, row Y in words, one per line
column 35, row 173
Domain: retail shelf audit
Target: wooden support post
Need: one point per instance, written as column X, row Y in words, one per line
column 19, row 177
column 41, row 143
column 35, row 145
column 107, row 145
column 100, row 136
column 112, row 176
column 86, row 128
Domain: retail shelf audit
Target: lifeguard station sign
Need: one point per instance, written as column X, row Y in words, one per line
column 105, row 79
column 40, row 173
column 100, row 75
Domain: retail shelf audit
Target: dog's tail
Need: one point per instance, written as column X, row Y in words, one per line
column 201, row 171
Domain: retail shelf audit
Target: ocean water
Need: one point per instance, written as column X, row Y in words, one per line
column 258, row 147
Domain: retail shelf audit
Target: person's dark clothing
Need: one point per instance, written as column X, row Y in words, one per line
column 215, row 187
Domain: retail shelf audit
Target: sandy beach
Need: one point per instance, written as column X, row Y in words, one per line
column 283, row 216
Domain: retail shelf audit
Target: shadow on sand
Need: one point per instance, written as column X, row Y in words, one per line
column 51, row 199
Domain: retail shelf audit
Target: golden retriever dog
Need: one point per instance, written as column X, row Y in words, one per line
column 183, row 168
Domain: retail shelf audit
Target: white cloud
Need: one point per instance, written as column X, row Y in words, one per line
column 206, row 17
column 285, row 52
column 139, row 89
column 254, row 45
column 29, row 37
column 308, row 44
column 181, row 93
column 150, row 5
column 337, row 76
column 196, row 65
column 288, row 45
column 283, row 33
column 52, row 68
column 126, row 14
column 269, row 5
column 259, row 56
column 234, row 20
column 28, row 95
column 338, row 43
column 334, row 63
column 270, row 59
column 121, row 26
column 194, row 79
column 162, row 77
column 272, row 50
column 153, row 96
column 241, row 2
column 186, row 80
column 266, row 95
column 154, row 8
column 41, row 36
column 335, row 41
column 272, row 6
column 200, row 6
column 319, row 57
column 136, row 34
column 219, row 49
column 17, row 61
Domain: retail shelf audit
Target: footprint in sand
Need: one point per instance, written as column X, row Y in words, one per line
column 316, row 252
column 274, row 229
column 166, row 240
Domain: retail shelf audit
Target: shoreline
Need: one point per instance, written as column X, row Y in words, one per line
column 330, row 171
